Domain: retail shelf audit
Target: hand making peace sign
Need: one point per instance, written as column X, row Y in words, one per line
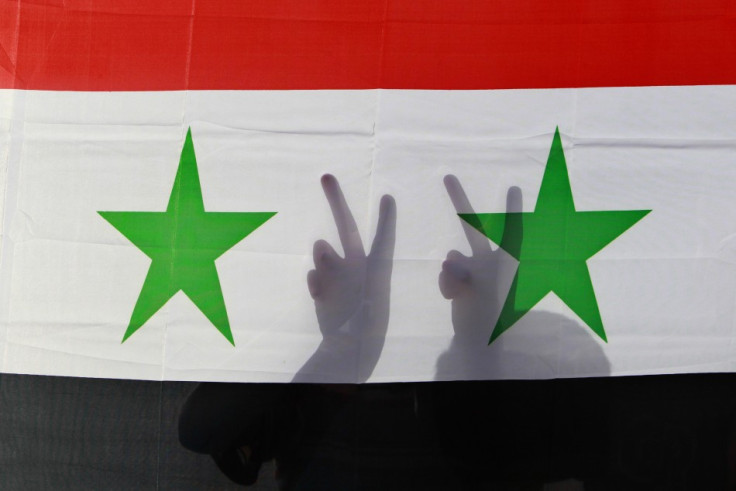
column 351, row 293
column 472, row 282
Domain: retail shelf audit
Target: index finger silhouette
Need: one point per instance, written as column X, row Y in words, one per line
column 347, row 229
column 479, row 243
column 385, row 239
column 513, row 230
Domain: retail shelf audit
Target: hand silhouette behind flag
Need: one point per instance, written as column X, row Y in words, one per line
column 472, row 282
column 351, row 294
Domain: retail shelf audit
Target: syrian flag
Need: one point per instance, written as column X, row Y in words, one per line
column 367, row 191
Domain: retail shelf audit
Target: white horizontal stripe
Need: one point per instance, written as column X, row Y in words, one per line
column 69, row 281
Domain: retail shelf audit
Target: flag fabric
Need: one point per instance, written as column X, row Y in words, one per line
column 374, row 191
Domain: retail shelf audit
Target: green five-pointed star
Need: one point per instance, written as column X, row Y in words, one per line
column 183, row 243
column 552, row 245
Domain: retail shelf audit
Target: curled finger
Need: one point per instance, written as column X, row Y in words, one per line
column 314, row 284
column 325, row 256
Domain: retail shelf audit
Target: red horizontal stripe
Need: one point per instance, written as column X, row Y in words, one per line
column 111, row 45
